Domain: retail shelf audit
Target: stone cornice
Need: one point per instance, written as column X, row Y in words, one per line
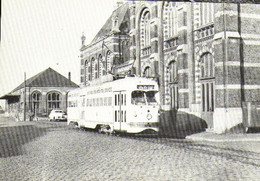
column 229, row 34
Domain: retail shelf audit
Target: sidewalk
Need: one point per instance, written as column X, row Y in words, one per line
column 213, row 137
column 6, row 121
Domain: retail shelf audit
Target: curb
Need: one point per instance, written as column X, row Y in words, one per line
column 14, row 124
column 225, row 138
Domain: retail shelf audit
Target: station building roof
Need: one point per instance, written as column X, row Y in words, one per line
column 47, row 78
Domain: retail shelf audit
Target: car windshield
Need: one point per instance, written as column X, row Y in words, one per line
column 58, row 111
column 143, row 97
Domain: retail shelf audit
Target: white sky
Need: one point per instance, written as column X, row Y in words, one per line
column 37, row 34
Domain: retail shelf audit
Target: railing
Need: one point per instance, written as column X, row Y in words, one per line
column 204, row 32
column 146, row 51
column 171, row 42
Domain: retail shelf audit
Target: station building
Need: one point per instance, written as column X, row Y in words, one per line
column 38, row 95
column 205, row 57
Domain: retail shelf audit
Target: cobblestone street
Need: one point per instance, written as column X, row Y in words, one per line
column 53, row 151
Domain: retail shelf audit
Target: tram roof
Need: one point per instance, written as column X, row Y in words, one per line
column 121, row 84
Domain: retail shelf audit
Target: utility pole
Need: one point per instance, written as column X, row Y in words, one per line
column 24, row 113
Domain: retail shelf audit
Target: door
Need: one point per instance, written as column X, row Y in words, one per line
column 207, row 80
column 120, row 111
column 207, row 102
column 174, row 95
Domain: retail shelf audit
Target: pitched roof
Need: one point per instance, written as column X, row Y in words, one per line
column 47, row 78
column 122, row 13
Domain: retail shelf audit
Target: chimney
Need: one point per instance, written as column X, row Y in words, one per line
column 69, row 76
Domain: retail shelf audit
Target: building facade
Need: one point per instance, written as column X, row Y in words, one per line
column 204, row 56
column 38, row 95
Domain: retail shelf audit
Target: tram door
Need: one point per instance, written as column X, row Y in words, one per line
column 120, row 110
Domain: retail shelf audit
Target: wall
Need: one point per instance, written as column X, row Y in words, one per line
column 17, row 109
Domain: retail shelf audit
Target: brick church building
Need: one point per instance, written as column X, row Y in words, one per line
column 38, row 95
column 205, row 57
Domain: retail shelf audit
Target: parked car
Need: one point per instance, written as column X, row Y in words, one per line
column 57, row 115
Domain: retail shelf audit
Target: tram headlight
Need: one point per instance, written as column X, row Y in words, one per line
column 149, row 116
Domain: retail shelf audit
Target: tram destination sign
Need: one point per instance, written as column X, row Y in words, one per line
column 145, row 87
column 217, row 1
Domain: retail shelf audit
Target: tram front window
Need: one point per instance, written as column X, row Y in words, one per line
column 143, row 98
column 138, row 97
column 150, row 96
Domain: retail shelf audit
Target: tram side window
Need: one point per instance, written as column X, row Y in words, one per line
column 72, row 104
column 100, row 102
column 83, row 102
column 94, row 102
column 115, row 99
column 105, row 101
column 115, row 116
column 90, row 102
column 109, row 103
column 97, row 101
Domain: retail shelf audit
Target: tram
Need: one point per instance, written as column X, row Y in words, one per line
column 129, row 105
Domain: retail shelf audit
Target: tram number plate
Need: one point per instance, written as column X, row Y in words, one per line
column 145, row 87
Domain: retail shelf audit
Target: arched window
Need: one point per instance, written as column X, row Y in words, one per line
column 170, row 19
column 87, row 71
column 100, row 66
column 206, row 13
column 206, row 66
column 207, row 79
column 145, row 29
column 147, row 72
column 96, row 69
column 53, row 100
column 93, row 66
column 125, row 49
column 36, row 101
column 173, row 72
column 173, row 84
column 107, row 63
